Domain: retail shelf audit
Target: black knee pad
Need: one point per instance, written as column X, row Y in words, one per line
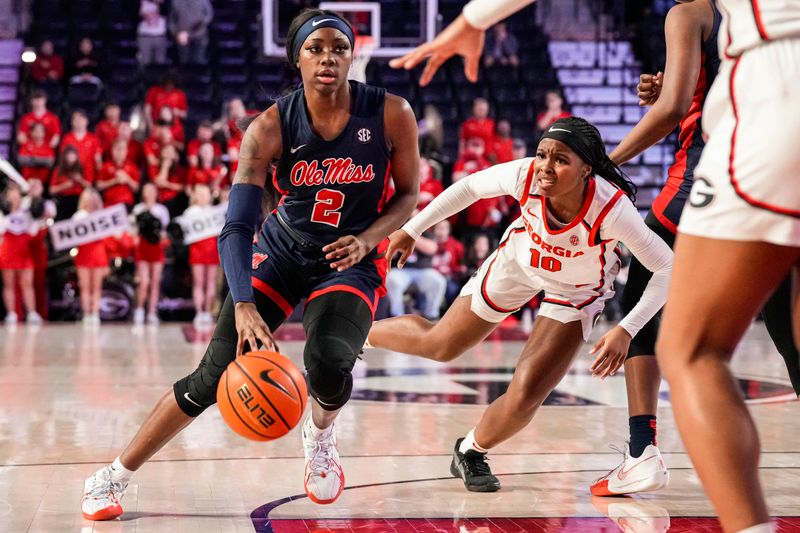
column 336, row 328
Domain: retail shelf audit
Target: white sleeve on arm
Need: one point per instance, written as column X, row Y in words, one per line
column 506, row 178
column 482, row 14
column 626, row 225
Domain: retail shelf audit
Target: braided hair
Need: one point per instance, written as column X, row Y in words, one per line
column 592, row 150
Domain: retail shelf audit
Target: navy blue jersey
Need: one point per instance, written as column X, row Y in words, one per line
column 338, row 187
column 667, row 207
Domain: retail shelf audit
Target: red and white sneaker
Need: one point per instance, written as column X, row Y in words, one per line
column 101, row 496
column 324, row 478
column 635, row 474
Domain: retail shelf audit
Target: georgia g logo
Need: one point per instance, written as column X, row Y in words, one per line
column 364, row 135
column 702, row 193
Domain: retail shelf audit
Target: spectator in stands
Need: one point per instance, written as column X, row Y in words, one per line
column 36, row 157
column 205, row 134
column 107, row 129
column 91, row 261
column 171, row 181
column 16, row 258
column 152, row 219
column 429, row 185
column 419, row 272
column 168, row 118
column 188, row 23
column 501, row 48
column 39, row 113
column 554, row 110
column 161, row 137
column 167, row 94
column 479, row 249
column 48, row 67
column 519, row 150
column 488, row 212
column 235, row 110
column 135, row 150
column 204, row 259
column 85, row 66
column 449, row 259
column 208, row 172
column 151, row 34
column 118, row 180
column 67, row 182
column 502, row 148
column 89, row 152
column 478, row 125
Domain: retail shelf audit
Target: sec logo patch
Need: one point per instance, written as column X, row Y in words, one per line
column 364, row 135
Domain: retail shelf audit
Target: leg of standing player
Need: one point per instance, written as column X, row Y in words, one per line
column 777, row 314
column 699, row 332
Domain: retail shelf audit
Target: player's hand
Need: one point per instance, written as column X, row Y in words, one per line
column 251, row 328
column 458, row 38
column 346, row 252
column 649, row 88
column 400, row 241
column 611, row 350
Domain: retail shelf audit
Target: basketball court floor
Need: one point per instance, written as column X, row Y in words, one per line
column 72, row 397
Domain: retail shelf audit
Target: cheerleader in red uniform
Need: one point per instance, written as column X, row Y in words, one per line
column 91, row 261
column 209, row 171
column 152, row 219
column 204, row 259
column 16, row 260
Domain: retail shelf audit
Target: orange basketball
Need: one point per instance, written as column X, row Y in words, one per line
column 262, row 395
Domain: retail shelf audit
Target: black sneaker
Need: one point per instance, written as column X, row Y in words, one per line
column 472, row 468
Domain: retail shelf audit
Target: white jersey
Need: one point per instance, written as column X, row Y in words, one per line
column 750, row 23
column 574, row 264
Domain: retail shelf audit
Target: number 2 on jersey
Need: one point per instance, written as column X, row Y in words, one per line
column 551, row 264
column 326, row 207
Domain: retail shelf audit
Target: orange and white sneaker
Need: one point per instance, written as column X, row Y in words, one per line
column 101, row 496
column 635, row 474
column 324, row 478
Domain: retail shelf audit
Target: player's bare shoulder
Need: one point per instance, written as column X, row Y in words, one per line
column 698, row 15
column 398, row 117
column 261, row 146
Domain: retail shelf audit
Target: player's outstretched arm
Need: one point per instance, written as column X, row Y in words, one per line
column 260, row 146
column 464, row 36
column 684, row 36
column 400, row 126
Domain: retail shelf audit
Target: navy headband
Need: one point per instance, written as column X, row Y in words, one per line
column 313, row 24
column 577, row 142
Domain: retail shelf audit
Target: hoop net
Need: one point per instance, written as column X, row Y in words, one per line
column 365, row 44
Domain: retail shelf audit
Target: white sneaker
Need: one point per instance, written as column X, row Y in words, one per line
column 635, row 474
column 198, row 319
column 101, row 496
column 634, row 516
column 153, row 320
column 11, row 318
column 324, row 477
column 138, row 316
column 33, row 318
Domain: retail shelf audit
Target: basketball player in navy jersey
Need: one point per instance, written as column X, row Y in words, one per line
column 333, row 143
column 677, row 98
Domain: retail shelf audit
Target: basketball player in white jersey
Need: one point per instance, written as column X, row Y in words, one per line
column 575, row 209
column 738, row 238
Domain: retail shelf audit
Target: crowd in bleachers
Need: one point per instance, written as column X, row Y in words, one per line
column 162, row 157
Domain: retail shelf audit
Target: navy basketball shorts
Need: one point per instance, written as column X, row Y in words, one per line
column 286, row 270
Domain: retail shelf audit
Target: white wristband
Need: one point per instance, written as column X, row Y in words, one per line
column 482, row 14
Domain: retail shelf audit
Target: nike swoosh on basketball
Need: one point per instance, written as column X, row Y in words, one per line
column 622, row 474
column 266, row 377
column 186, row 395
column 293, row 150
column 318, row 22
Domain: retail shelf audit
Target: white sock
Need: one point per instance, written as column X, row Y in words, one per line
column 760, row 528
column 314, row 431
column 119, row 472
column 366, row 343
column 469, row 443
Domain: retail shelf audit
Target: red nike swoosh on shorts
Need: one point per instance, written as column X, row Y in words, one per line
column 623, row 473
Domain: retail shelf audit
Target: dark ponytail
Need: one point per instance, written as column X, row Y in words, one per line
column 595, row 153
